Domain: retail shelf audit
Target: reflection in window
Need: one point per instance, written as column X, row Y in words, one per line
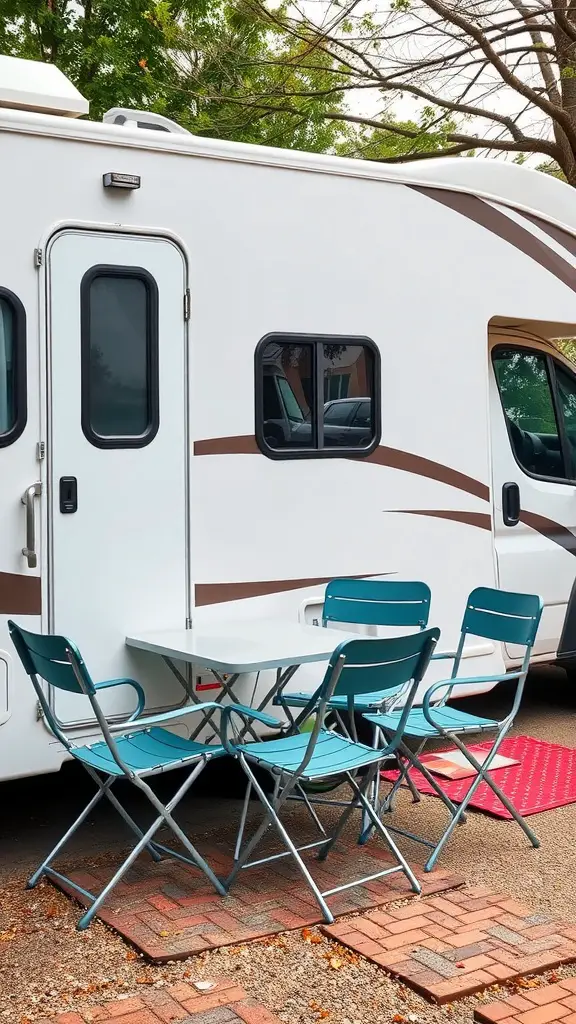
column 287, row 381
column 7, row 368
column 567, row 397
column 120, row 375
column 526, row 394
column 291, row 374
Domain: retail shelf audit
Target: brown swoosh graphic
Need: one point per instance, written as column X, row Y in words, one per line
column 561, row 535
column 216, row 593
column 392, row 458
column 499, row 224
column 20, row 594
column 242, row 444
column 562, row 237
column 480, row 519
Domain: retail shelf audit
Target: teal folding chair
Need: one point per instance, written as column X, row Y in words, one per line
column 498, row 615
column 394, row 603
column 355, row 668
column 142, row 750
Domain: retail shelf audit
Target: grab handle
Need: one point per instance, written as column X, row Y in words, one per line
column 29, row 551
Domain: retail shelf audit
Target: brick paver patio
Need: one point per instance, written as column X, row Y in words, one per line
column 170, row 911
column 450, row 946
column 551, row 1004
column 226, row 1003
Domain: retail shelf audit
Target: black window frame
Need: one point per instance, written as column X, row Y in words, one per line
column 19, row 354
column 316, row 340
column 565, row 447
column 152, row 356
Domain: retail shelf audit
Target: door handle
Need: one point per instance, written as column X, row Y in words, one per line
column 29, row 551
column 511, row 504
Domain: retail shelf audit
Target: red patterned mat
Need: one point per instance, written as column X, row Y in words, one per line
column 545, row 778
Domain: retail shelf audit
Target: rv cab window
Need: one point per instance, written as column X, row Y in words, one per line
column 119, row 357
column 539, row 401
column 12, row 368
column 316, row 396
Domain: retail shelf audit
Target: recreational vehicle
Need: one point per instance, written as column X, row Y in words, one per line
column 229, row 374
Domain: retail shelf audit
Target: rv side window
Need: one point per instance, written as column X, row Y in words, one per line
column 317, row 395
column 119, row 357
column 12, row 368
column 539, row 401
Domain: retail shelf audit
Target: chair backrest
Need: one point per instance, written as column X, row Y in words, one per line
column 503, row 616
column 362, row 666
column 377, row 603
column 56, row 660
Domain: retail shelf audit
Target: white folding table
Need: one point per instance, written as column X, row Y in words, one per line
column 234, row 647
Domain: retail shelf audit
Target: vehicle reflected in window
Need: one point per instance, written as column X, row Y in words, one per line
column 290, row 417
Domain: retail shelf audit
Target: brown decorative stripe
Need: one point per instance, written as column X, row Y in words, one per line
column 480, row 519
column 562, row 237
column 216, row 593
column 242, row 444
column 552, row 531
column 393, row 458
column 499, row 224
column 20, row 594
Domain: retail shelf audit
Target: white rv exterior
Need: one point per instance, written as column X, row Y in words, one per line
column 131, row 372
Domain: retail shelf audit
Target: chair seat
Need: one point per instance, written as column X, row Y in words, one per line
column 332, row 754
column 362, row 702
column 149, row 750
column 449, row 719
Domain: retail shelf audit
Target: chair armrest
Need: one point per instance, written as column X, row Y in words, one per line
column 247, row 713
column 108, row 683
column 466, row 681
column 165, row 716
column 444, row 655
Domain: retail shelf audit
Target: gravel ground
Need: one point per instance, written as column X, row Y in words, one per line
column 46, row 966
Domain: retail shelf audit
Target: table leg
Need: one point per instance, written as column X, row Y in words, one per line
column 227, row 691
column 282, row 677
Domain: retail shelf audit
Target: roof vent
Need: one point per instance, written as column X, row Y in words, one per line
column 31, row 85
column 143, row 119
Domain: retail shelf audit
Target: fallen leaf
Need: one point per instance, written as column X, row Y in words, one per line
column 335, row 963
column 144, row 979
column 131, row 955
column 398, row 1019
column 461, row 966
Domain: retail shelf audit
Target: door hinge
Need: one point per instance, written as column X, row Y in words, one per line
column 40, row 451
column 38, row 257
column 187, row 304
column 188, row 623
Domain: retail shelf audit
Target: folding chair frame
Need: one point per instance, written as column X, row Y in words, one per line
column 286, row 782
column 412, row 759
column 134, row 724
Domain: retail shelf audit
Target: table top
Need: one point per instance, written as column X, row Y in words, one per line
column 235, row 646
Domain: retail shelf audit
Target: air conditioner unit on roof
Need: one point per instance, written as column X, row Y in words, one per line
column 32, row 85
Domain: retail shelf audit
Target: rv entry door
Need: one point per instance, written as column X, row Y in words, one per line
column 117, row 396
column 533, row 427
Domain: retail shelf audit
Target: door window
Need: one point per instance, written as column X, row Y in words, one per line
column 119, row 357
column 539, row 401
column 12, row 368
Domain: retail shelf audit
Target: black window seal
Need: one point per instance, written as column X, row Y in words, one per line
column 551, row 364
column 19, row 343
column 317, row 452
column 152, row 356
